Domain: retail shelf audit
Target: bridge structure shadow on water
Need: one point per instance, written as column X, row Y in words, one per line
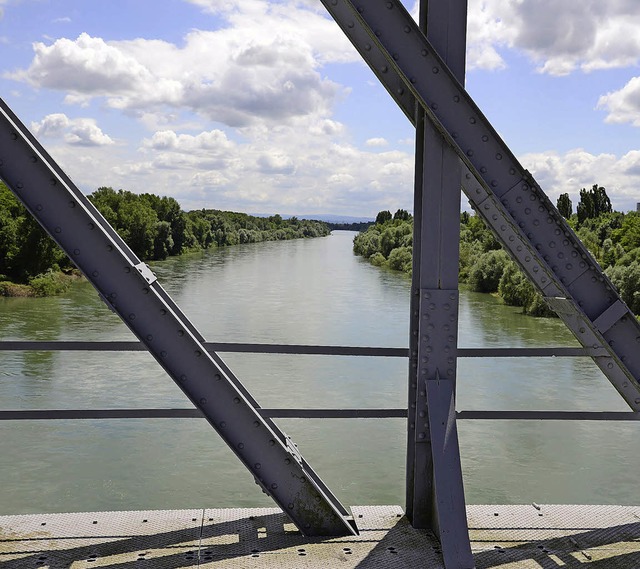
column 422, row 66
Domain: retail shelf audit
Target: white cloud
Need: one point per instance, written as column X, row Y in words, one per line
column 62, row 20
column 623, row 105
column 577, row 169
column 52, row 125
column 376, row 142
column 214, row 140
column 241, row 117
column 85, row 132
column 486, row 32
column 275, row 163
column 327, row 126
column 289, row 171
column 78, row 132
column 555, row 34
column 304, row 21
column 262, row 67
column 89, row 67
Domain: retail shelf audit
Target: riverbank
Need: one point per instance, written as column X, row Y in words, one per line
column 47, row 284
column 484, row 266
column 613, row 238
column 154, row 227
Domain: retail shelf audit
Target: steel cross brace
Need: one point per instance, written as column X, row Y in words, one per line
column 500, row 189
column 131, row 290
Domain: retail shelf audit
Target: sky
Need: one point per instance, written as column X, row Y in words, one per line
column 265, row 107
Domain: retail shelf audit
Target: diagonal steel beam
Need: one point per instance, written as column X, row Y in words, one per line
column 132, row 291
column 392, row 81
column 508, row 198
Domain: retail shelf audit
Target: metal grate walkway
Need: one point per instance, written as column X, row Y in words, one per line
column 501, row 536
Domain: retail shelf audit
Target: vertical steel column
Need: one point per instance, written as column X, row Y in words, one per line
column 435, row 494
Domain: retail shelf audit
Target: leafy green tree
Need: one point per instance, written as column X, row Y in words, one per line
column 611, row 252
column 394, row 236
column 138, row 222
column 590, row 240
column 469, row 252
column 8, row 231
column 629, row 257
column 383, row 217
column 400, row 259
column 402, row 215
column 486, row 272
column 36, row 251
column 627, row 280
column 629, row 233
column 377, row 259
column 476, row 230
column 565, row 207
column 516, row 290
column 593, row 203
column 162, row 241
column 368, row 243
column 514, row 287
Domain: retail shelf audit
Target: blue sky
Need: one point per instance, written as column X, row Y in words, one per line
column 263, row 106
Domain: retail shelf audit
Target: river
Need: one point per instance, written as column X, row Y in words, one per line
column 308, row 292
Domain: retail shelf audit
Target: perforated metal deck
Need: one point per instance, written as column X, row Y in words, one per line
column 502, row 536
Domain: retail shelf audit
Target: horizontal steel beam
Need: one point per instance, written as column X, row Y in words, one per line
column 528, row 352
column 73, row 414
column 550, row 415
column 298, row 349
column 212, row 347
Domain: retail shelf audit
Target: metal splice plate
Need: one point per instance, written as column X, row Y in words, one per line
column 509, row 537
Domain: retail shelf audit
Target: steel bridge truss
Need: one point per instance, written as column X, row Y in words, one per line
column 422, row 67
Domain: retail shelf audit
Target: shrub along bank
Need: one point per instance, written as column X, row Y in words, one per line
column 613, row 238
column 155, row 227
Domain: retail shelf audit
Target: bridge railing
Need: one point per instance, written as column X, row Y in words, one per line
column 305, row 413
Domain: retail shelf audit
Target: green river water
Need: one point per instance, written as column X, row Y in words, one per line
column 310, row 292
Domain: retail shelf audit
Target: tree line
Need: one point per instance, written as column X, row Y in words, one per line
column 154, row 227
column 613, row 238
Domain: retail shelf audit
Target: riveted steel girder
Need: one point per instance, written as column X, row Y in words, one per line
column 132, row 291
column 506, row 195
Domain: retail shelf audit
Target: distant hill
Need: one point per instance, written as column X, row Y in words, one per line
column 328, row 217
column 339, row 222
column 331, row 218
